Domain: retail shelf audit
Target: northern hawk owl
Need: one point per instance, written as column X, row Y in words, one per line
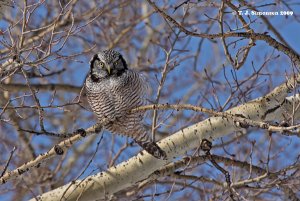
column 112, row 91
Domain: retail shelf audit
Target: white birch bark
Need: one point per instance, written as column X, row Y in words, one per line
column 103, row 185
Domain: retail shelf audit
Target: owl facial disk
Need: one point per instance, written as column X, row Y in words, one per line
column 98, row 69
column 107, row 63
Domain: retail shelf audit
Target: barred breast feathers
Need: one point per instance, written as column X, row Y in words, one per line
column 113, row 98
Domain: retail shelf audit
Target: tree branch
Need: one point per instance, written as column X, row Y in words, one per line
column 140, row 167
column 251, row 35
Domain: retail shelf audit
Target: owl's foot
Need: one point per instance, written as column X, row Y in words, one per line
column 153, row 149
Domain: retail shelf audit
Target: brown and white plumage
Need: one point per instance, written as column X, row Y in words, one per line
column 112, row 91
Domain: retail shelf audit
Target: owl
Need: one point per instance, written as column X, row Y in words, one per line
column 113, row 90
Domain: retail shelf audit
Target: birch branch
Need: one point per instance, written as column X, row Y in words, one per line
column 140, row 167
column 58, row 149
column 8, row 68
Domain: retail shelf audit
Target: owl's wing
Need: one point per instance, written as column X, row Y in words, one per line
column 127, row 92
column 145, row 88
column 134, row 89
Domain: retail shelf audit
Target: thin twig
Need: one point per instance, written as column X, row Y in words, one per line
column 8, row 161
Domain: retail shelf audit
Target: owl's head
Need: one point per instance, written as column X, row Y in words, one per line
column 107, row 63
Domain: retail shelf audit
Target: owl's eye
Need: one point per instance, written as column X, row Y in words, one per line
column 99, row 63
column 116, row 63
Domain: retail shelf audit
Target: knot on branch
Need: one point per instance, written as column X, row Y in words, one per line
column 58, row 150
column 81, row 132
column 242, row 124
column 205, row 145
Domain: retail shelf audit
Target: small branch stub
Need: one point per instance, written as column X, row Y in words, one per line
column 206, row 145
column 58, row 150
column 81, row 132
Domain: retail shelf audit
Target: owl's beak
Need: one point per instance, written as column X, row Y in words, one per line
column 108, row 69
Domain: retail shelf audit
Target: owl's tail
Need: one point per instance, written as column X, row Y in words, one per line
column 151, row 147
